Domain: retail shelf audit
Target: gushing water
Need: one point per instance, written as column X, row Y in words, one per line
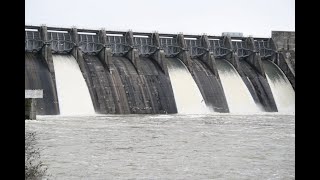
column 72, row 90
column 281, row 88
column 237, row 94
column 188, row 98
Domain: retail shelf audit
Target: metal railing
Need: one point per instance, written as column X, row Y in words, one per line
column 91, row 47
column 146, row 50
column 33, row 45
column 119, row 49
column 264, row 50
column 61, row 46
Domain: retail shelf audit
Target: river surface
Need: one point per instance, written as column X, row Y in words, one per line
column 210, row 146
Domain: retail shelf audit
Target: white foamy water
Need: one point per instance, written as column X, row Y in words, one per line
column 72, row 90
column 237, row 94
column 281, row 88
column 187, row 95
column 164, row 147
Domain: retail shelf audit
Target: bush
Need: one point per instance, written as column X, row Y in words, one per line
column 34, row 168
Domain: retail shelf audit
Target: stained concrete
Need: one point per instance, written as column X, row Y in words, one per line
column 38, row 76
column 260, row 86
column 209, row 86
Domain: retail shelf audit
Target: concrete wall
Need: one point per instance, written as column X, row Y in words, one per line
column 131, row 83
column 284, row 43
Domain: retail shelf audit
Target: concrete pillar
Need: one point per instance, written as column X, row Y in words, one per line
column 254, row 59
column 74, row 36
column 30, row 108
column 105, row 55
column 159, row 55
column 75, row 50
column 45, row 51
column 208, row 57
column 46, row 54
column 133, row 54
column 184, row 55
column 232, row 57
column 78, row 55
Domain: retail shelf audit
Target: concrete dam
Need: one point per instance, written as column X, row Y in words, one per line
column 85, row 71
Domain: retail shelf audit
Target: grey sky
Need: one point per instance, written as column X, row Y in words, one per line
column 251, row 17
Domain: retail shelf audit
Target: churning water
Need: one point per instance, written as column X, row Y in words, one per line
column 219, row 146
column 281, row 88
column 187, row 95
column 72, row 90
column 237, row 94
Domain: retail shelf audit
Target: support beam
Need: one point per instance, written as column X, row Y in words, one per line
column 45, row 51
column 232, row 57
column 105, row 55
column 133, row 54
column 208, row 57
column 159, row 55
column 184, row 56
column 254, row 59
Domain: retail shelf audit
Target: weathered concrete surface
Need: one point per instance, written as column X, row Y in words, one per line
column 149, row 92
column 38, row 76
column 159, row 55
column 122, row 90
column 184, row 56
column 133, row 54
column 158, row 85
column 258, row 84
column 284, row 43
column 254, row 59
column 208, row 57
column 284, row 40
column 209, row 86
column 232, row 57
column 107, row 88
column 46, row 50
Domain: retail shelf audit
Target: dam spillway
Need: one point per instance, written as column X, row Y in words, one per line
column 73, row 94
column 153, row 73
column 281, row 88
column 186, row 92
column 237, row 94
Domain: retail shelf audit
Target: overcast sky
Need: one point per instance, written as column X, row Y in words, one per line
column 251, row 17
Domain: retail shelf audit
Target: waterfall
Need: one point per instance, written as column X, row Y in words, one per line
column 187, row 95
column 73, row 94
column 237, row 94
column 281, row 88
